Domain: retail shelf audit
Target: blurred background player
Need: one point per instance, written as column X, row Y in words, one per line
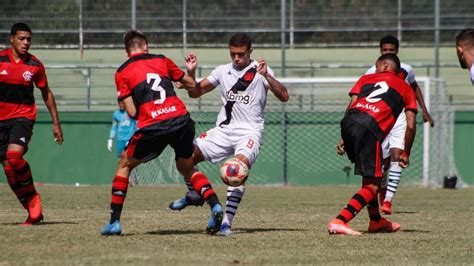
column 123, row 126
column 19, row 72
column 393, row 144
column 144, row 84
column 376, row 102
column 465, row 50
column 239, row 127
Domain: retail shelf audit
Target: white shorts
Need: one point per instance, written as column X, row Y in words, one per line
column 396, row 137
column 219, row 143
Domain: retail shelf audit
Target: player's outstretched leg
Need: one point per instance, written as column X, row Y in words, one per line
column 234, row 197
column 340, row 224
column 202, row 185
column 394, row 176
column 191, row 198
column 119, row 192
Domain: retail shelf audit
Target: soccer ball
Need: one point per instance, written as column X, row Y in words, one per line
column 234, row 172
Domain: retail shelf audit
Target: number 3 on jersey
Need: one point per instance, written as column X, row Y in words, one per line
column 154, row 81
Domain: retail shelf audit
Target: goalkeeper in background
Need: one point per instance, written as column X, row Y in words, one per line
column 123, row 126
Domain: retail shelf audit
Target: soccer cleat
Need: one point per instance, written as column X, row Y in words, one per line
column 178, row 204
column 30, row 221
column 387, row 208
column 383, row 225
column 337, row 226
column 191, row 198
column 225, row 230
column 34, row 207
column 112, row 229
column 214, row 224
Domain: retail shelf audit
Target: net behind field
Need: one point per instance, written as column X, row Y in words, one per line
column 301, row 135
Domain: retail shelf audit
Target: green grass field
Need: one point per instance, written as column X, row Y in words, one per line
column 275, row 225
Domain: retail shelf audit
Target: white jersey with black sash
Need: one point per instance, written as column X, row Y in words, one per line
column 243, row 94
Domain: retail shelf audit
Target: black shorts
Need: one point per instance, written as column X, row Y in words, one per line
column 362, row 148
column 15, row 131
column 146, row 145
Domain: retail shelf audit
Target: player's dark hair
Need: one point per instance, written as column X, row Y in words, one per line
column 389, row 39
column 466, row 37
column 391, row 57
column 20, row 26
column 134, row 39
column 240, row 39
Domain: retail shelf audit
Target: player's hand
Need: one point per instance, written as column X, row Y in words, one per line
column 262, row 67
column 190, row 61
column 340, row 147
column 404, row 160
column 110, row 144
column 179, row 85
column 58, row 134
column 427, row 118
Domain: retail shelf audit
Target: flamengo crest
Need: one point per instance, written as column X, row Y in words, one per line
column 27, row 75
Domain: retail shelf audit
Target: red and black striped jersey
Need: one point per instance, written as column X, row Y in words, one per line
column 16, row 85
column 147, row 78
column 381, row 97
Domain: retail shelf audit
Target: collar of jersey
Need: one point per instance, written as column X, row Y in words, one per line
column 12, row 59
column 136, row 54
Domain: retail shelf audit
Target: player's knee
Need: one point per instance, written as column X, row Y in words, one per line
column 15, row 159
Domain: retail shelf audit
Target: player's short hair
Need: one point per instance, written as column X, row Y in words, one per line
column 134, row 39
column 240, row 39
column 389, row 39
column 391, row 57
column 465, row 37
column 20, row 26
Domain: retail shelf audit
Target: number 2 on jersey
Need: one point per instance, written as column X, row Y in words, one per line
column 154, row 80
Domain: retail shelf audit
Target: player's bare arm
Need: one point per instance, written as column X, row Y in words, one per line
column 421, row 101
column 50, row 102
column 278, row 89
column 200, row 88
column 130, row 107
column 409, row 138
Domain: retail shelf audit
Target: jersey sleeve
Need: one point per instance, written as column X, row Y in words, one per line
column 113, row 129
column 357, row 87
column 410, row 78
column 174, row 72
column 123, row 88
column 214, row 77
column 409, row 99
column 40, row 80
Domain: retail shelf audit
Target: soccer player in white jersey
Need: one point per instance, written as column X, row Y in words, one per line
column 238, row 132
column 393, row 144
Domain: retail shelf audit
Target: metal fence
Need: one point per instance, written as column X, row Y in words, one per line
column 275, row 23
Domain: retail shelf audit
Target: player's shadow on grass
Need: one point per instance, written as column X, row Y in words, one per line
column 263, row 230
column 238, row 231
column 407, row 212
column 176, row 232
